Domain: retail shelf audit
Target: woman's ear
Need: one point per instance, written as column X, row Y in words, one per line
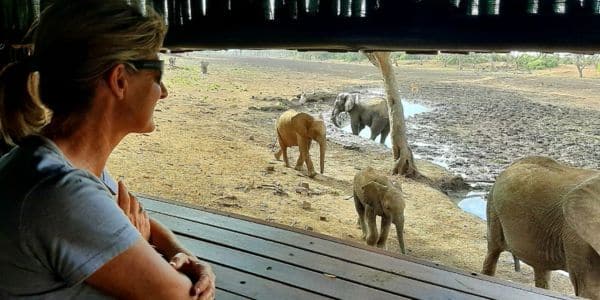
column 117, row 80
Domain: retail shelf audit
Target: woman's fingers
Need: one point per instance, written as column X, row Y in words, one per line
column 123, row 198
column 178, row 260
column 134, row 211
column 134, row 205
column 205, row 286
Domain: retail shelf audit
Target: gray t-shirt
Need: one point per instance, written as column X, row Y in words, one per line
column 58, row 225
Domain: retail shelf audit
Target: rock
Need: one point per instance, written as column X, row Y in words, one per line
column 351, row 147
column 305, row 205
column 304, row 185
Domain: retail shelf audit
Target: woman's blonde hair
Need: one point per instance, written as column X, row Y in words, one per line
column 75, row 43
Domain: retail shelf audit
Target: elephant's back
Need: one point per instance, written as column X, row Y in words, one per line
column 539, row 180
column 378, row 105
column 285, row 127
column 285, row 119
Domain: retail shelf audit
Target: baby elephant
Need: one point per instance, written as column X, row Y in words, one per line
column 299, row 129
column 375, row 195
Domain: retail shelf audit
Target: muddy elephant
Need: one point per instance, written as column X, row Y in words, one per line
column 300, row 129
column 548, row 215
column 372, row 112
column 375, row 195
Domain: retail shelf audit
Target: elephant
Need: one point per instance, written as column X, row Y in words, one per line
column 300, row 129
column 548, row 215
column 372, row 112
column 375, row 195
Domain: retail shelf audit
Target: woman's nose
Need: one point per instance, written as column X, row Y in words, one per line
column 163, row 91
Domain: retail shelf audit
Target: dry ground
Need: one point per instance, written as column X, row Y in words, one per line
column 213, row 147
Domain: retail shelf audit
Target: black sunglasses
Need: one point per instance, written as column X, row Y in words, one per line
column 156, row 65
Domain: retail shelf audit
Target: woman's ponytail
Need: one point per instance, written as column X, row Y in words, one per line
column 21, row 110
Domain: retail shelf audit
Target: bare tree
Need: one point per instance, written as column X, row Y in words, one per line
column 580, row 63
column 404, row 163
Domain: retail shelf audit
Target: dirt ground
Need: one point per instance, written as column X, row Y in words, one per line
column 214, row 145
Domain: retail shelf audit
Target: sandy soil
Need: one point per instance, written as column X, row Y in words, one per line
column 214, row 145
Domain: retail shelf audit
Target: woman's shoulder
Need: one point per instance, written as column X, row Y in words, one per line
column 38, row 165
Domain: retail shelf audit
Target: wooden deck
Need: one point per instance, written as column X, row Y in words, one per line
column 256, row 260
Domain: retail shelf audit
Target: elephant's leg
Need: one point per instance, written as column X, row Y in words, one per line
column 281, row 148
column 302, row 153
column 285, row 156
column 385, row 230
column 399, row 222
column 355, row 125
column 585, row 277
column 542, row 277
column 495, row 242
column 491, row 259
column 371, row 225
column 384, row 133
column 304, row 145
column 376, row 130
column 374, row 134
column 299, row 162
column 360, row 211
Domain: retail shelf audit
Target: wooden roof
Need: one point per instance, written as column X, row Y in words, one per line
column 350, row 25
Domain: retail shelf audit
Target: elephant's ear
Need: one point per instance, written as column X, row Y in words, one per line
column 350, row 102
column 582, row 211
column 375, row 189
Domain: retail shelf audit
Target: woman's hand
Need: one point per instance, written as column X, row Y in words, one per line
column 199, row 272
column 134, row 211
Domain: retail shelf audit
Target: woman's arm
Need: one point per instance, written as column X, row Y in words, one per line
column 182, row 259
column 166, row 244
column 140, row 273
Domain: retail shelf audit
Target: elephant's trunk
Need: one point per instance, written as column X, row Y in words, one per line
column 334, row 115
column 322, row 146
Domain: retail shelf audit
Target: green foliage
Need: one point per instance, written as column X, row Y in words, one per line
column 321, row 56
column 395, row 56
column 352, row 57
column 539, row 62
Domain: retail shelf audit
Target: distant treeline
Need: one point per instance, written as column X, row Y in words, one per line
column 519, row 61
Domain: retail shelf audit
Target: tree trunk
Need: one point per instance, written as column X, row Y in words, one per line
column 580, row 70
column 404, row 163
column 580, row 64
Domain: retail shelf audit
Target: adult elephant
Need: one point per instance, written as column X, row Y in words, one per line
column 372, row 112
column 548, row 215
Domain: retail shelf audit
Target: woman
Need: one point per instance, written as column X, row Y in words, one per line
column 94, row 78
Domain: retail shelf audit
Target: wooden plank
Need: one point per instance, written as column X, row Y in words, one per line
column 225, row 295
column 283, row 273
column 374, row 258
column 342, row 270
column 235, row 284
